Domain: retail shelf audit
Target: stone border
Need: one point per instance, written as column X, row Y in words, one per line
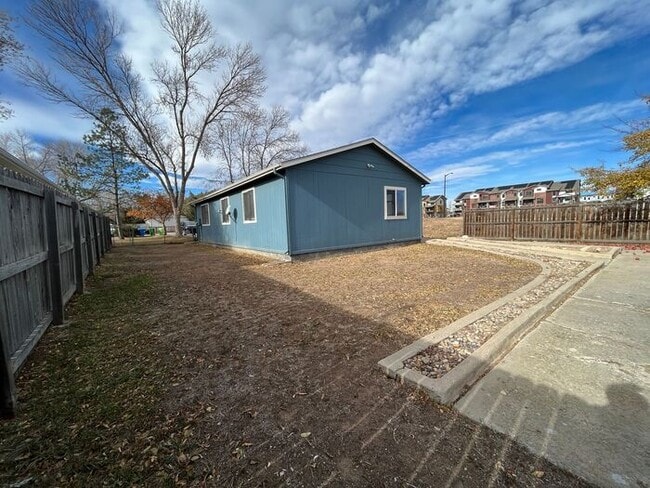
column 453, row 384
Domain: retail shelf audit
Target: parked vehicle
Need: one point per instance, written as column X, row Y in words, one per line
column 189, row 228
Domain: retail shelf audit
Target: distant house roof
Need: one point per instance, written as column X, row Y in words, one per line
column 567, row 185
column 312, row 157
column 514, row 187
column 433, row 197
column 463, row 195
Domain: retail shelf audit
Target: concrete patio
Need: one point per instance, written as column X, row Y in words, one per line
column 576, row 390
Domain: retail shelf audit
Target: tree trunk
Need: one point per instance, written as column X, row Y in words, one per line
column 177, row 218
column 118, row 220
column 118, row 223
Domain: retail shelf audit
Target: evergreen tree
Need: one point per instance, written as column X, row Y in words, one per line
column 75, row 171
column 109, row 157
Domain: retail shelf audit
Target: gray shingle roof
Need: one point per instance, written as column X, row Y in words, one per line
column 312, row 157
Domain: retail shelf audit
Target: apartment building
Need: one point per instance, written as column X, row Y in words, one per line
column 520, row 195
column 433, row 205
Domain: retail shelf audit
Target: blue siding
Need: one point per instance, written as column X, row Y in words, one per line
column 268, row 234
column 338, row 202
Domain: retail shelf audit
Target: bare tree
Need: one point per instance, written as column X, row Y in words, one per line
column 236, row 142
column 167, row 130
column 278, row 142
column 42, row 158
column 255, row 140
column 9, row 48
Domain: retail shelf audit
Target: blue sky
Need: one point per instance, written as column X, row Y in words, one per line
column 495, row 92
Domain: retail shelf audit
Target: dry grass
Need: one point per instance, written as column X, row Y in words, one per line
column 442, row 228
column 151, row 240
column 417, row 288
column 194, row 366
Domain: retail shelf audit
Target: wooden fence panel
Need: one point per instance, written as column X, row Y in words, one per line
column 24, row 298
column 64, row 219
column 48, row 244
column 594, row 222
column 84, row 242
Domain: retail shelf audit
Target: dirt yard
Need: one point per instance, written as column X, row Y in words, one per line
column 434, row 228
column 190, row 365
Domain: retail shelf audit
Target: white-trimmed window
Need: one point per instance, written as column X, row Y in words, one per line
column 394, row 202
column 248, row 199
column 225, row 210
column 205, row 214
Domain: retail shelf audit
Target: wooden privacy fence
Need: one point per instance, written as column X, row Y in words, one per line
column 48, row 244
column 592, row 222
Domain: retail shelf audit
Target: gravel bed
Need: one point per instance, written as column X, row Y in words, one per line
column 438, row 359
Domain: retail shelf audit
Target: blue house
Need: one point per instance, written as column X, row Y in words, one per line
column 361, row 194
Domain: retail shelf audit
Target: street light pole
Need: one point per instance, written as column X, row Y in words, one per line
column 444, row 190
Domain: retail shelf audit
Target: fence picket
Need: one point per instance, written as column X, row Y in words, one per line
column 593, row 222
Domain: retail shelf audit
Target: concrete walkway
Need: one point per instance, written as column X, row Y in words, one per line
column 576, row 390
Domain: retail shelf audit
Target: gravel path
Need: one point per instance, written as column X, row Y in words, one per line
column 439, row 359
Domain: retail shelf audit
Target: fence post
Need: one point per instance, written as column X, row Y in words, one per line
column 109, row 239
column 53, row 257
column 102, row 240
column 78, row 261
column 89, row 249
column 103, row 227
column 512, row 224
column 96, row 235
column 7, row 384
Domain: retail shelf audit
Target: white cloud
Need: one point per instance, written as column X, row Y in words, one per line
column 341, row 81
column 496, row 161
column 466, row 48
column 469, row 169
column 531, row 130
column 45, row 121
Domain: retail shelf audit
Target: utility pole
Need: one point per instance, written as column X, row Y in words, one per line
column 444, row 191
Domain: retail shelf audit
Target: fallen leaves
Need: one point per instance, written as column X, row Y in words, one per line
column 127, row 397
column 416, row 288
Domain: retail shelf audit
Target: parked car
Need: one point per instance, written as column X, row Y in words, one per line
column 189, row 228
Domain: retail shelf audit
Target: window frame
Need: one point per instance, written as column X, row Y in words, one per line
column 207, row 205
column 396, row 189
column 221, row 211
column 243, row 206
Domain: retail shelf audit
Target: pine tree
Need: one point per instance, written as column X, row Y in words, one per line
column 109, row 157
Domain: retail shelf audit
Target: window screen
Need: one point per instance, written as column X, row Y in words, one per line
column 249, row 205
